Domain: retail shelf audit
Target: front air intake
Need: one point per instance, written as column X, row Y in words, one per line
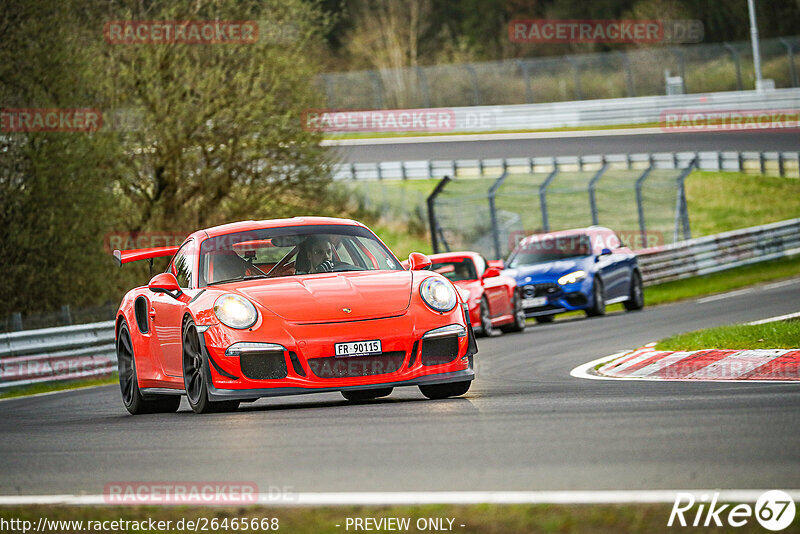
column 266, row 365
column 440, row 350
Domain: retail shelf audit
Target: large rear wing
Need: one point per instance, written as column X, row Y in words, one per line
column 127, row 256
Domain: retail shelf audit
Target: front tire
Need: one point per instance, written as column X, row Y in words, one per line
column 598, row 300
column 132, row 396
column 357, row 395
column 519, row 316
column 195, row 375
column 486, row 319
column 636, row 300
column 443, row 391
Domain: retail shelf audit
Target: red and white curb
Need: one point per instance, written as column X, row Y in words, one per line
column 647, row 363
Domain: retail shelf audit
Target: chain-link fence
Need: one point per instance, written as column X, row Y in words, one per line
column 642, row 199
column 65, row 316
column 636, row 72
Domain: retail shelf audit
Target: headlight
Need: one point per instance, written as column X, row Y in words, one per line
column 235, row 311
column 572, row 277
column 464, row 294
column 438, row 294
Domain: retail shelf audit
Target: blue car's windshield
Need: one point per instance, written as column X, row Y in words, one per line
column 547, row 249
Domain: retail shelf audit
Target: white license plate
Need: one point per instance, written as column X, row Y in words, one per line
column 358, row 348
column 534, row 302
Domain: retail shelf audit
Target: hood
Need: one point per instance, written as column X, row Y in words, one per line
column 550, row 271
column 322, row 297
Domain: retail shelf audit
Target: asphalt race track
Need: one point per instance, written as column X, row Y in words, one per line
column 526, row 424
column 573, row 146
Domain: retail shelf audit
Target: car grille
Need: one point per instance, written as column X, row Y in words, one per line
column 439, row 350
column 540, row 290
column 388, row 362
column 267, row 365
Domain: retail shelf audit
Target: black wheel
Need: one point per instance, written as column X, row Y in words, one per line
column 545, row 318
column 636, row 299
column 486, row 318
column 598, row 300
column 132, row 396
column 442, row 391
column 519, row 316
column 194, row 375
column 366, row 394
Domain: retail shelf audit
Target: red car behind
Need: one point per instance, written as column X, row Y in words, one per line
column 493, row 299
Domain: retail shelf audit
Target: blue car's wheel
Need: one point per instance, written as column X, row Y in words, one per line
column 598, row 306
column 636, row 299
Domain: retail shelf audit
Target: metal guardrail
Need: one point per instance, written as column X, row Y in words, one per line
column 711, row 254
column 53, row 354
column 612, row 111
column 773, row 163
column 82, row 351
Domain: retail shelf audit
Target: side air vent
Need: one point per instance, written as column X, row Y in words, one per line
column 438, row 351
column 267, row 365
column 140, row 311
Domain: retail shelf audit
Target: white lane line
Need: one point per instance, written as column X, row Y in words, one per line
column 721, row 296
column 381, row 498
column 774, row 319
column 737, row 364
column 585, row 370
column 46, row 393
column 490, row 137
column 781, row 284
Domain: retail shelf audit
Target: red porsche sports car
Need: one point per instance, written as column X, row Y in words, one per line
column 493, row 299
column 280, row 307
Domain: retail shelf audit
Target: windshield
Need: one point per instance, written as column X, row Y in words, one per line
column 547, row 249
column 293, row 251
column 454, row 270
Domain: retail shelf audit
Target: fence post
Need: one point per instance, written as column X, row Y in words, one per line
column 682, row 210
column 639, row 202
column 576, row 73
column 377, row 87
column 493, row 214
column 630, row 88
column 423, row 86
column 543, row 199
column 681, row 66
column 592, row 186
column 66, row 316
column 476, row 92
column 434, row 224
column 735, row 55
column 790, row 56
column 762, row 161
column 16, row 322
column 526, row 75
column 330, row 93
column 781, row 170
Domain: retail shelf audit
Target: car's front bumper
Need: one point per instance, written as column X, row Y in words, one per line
column 554, row 298
column 311, row 368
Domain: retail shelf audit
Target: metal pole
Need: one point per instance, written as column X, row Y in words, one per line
column 592, row 186
column 576, row 72
column 639, row 202
column 543, row 200
column 473, row 76
column 423, row 85
column 432, row 212
column 377, row 88
column 493, row 214
column 754, row 39
column 526, row 75
column 682, row 210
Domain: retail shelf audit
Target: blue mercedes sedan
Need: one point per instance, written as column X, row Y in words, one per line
column 583, row 269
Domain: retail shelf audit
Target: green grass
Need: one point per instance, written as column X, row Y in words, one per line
column 777, row 335
column 46, row 387
column 722, row 201
column 482, row 519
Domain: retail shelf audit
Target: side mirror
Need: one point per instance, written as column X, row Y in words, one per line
column 418, row 262
column 165, row 283
column 491, row 272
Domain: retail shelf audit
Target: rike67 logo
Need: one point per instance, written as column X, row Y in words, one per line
column 774, row 510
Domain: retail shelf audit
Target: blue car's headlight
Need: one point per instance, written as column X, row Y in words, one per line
column 571, row 278
column 438, row 294
column 235, row 311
